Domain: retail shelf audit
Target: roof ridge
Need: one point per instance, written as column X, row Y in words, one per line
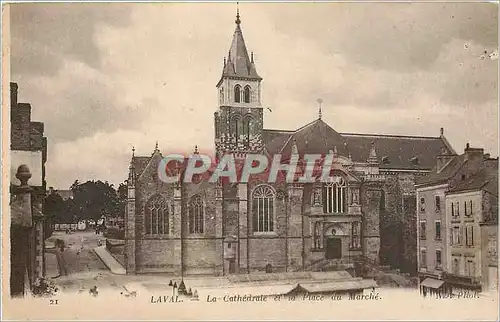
column 390, row 136
column 309, row 124
column 275, row 130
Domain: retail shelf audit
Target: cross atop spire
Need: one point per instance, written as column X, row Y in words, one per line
column 237, row 21
column 320, row 114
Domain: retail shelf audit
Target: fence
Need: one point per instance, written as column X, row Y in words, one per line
column 65, row 226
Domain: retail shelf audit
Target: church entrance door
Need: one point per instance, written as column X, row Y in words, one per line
column 333, row 248
column 232, row 266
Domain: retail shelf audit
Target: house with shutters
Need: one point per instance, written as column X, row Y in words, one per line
column 457, row 206
column 364, row 214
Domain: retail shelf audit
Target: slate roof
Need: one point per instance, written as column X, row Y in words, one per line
column 140, row 163
column 238, row 62
column 445, row 174
column 486, row 178
column 398, row 152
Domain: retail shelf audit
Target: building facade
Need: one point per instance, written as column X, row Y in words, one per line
column 452, row 248
column 28, row 151
column 364, row 213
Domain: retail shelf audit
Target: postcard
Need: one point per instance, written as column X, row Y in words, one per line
column 250, row 161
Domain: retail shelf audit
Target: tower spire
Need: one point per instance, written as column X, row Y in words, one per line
column 238, row 21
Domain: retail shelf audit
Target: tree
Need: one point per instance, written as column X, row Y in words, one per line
column 94, row 199
column 122, row 196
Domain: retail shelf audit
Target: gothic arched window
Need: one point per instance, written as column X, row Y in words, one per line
column 246, row 128
column 263, row 209
column 235, row 126
column 196, row 215
column 156, row 216
column 334, row 196
column 247, row 94
column 237, row 93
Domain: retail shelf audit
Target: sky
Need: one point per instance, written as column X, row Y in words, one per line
column 108, row 77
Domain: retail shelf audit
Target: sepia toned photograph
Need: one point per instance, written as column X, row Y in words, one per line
column 250, row 160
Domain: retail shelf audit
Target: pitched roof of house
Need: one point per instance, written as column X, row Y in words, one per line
column 393, row 151
column 445, row 174
column 486, row 179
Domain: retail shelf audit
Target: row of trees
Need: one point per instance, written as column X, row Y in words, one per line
column 91, row 200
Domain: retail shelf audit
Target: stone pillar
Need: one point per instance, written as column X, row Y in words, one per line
column 20, row 231
column 177, row 228
column 244, row 225
column 219, row 246
column 38, row 240
column 296, row 247
column 370, row 221
column 130, row 236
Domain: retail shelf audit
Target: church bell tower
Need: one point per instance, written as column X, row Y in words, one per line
column 239, row 118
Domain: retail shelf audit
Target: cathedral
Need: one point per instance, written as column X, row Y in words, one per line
column 365, row 213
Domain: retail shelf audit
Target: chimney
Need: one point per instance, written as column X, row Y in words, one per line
column 473, row 153
column 13, row 94
column 443, row 159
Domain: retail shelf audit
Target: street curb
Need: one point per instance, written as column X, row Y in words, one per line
column 110, row 261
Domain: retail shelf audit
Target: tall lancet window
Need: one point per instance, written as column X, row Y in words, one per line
column 263, row 209
column 237, row 93
column 196, row 215
column 335, row 195
column 156, row 216
column 247, row 94
column 235, row 127
column 246, row 129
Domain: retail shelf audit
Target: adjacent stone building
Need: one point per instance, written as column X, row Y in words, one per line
column 457, row 206
column 28, row 152
column 365, row 213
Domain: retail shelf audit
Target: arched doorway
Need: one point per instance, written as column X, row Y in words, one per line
column 333, row 241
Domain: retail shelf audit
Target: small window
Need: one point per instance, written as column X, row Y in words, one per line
column 423, row 227
column 470, row 269
column 438, row 258
column 438, row 203
column 456, row 266
column 247, row 94
column 469, row 235
column 237, row 94
column 228, row 245
column 423, row 258
column 422, row 204
column 438, row 229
